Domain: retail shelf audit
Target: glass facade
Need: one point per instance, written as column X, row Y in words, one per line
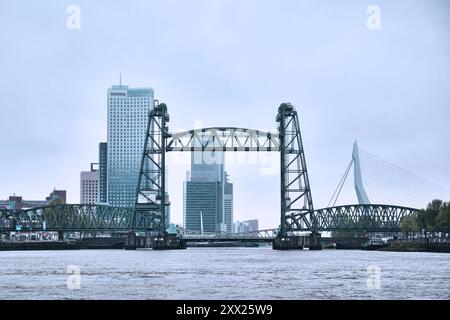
column 103, row 171
column 228, row 205
column 208, row 196
column 127, row 122
column 200, row 205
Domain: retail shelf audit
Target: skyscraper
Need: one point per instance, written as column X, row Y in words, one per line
column 103, row 172
column 89, row 181
column 127, row 122
column 207, row 195
column 228, row 204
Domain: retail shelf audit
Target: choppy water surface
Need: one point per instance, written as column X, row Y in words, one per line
column 224, row 273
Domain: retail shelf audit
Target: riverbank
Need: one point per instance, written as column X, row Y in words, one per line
column 88, row 243
column 418, row 245
column 38, row 245
column 410, row 245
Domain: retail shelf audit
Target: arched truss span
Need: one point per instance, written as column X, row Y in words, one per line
column 362, row 217
column 223, row 139
column 73, row 217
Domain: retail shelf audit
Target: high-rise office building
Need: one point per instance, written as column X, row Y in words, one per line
column 207, row 194
column 228, row 204
column 201, row 205
column 127, row 122
column 89, row 185
column 103, row 172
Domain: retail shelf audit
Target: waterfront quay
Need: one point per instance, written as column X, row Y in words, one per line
column 326, row 243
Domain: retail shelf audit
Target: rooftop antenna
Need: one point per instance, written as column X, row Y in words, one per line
column 120, row 79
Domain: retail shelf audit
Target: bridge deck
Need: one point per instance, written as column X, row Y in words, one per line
column 231, row 239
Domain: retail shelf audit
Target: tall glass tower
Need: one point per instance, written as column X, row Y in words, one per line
column 127, row 122
column 207, row 194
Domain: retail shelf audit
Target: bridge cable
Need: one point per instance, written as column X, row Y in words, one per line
column 404, row 184
column 340, row 185
column 401, row 173
column 395, row 178
column 393, row 185
column 406, row 172
column 386, row 192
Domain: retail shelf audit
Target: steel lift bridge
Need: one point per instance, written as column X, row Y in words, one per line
column 296, row 205
column 297, row 214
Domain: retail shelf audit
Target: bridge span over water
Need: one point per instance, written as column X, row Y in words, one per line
column 99, row 218
column 297, row 212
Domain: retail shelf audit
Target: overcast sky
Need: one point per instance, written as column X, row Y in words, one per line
column 226, row 63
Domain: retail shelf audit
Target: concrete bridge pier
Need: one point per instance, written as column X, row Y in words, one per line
column 130, row 241
column 315, row 241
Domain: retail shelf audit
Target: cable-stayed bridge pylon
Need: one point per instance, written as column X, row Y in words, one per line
column 377, row 181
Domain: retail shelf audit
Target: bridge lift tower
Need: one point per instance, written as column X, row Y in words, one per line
column 297, row 209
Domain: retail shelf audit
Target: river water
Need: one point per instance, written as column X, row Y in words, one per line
column 224, row 273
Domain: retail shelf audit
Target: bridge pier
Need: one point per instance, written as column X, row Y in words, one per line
column 168, row 242
column 130, row 241
column 315, row 241
column 312, row 242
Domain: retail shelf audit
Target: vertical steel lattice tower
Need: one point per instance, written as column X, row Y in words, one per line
column 151, row 190
column 296, row 201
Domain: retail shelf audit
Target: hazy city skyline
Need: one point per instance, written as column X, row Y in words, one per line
column 387, row 88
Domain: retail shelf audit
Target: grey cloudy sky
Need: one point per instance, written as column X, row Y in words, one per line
column 226, row 63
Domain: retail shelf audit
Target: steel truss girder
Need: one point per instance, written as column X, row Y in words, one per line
column 150, row 194
column 223, row 139
column 76, row 217
column 367, row 218
column 362, row 217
